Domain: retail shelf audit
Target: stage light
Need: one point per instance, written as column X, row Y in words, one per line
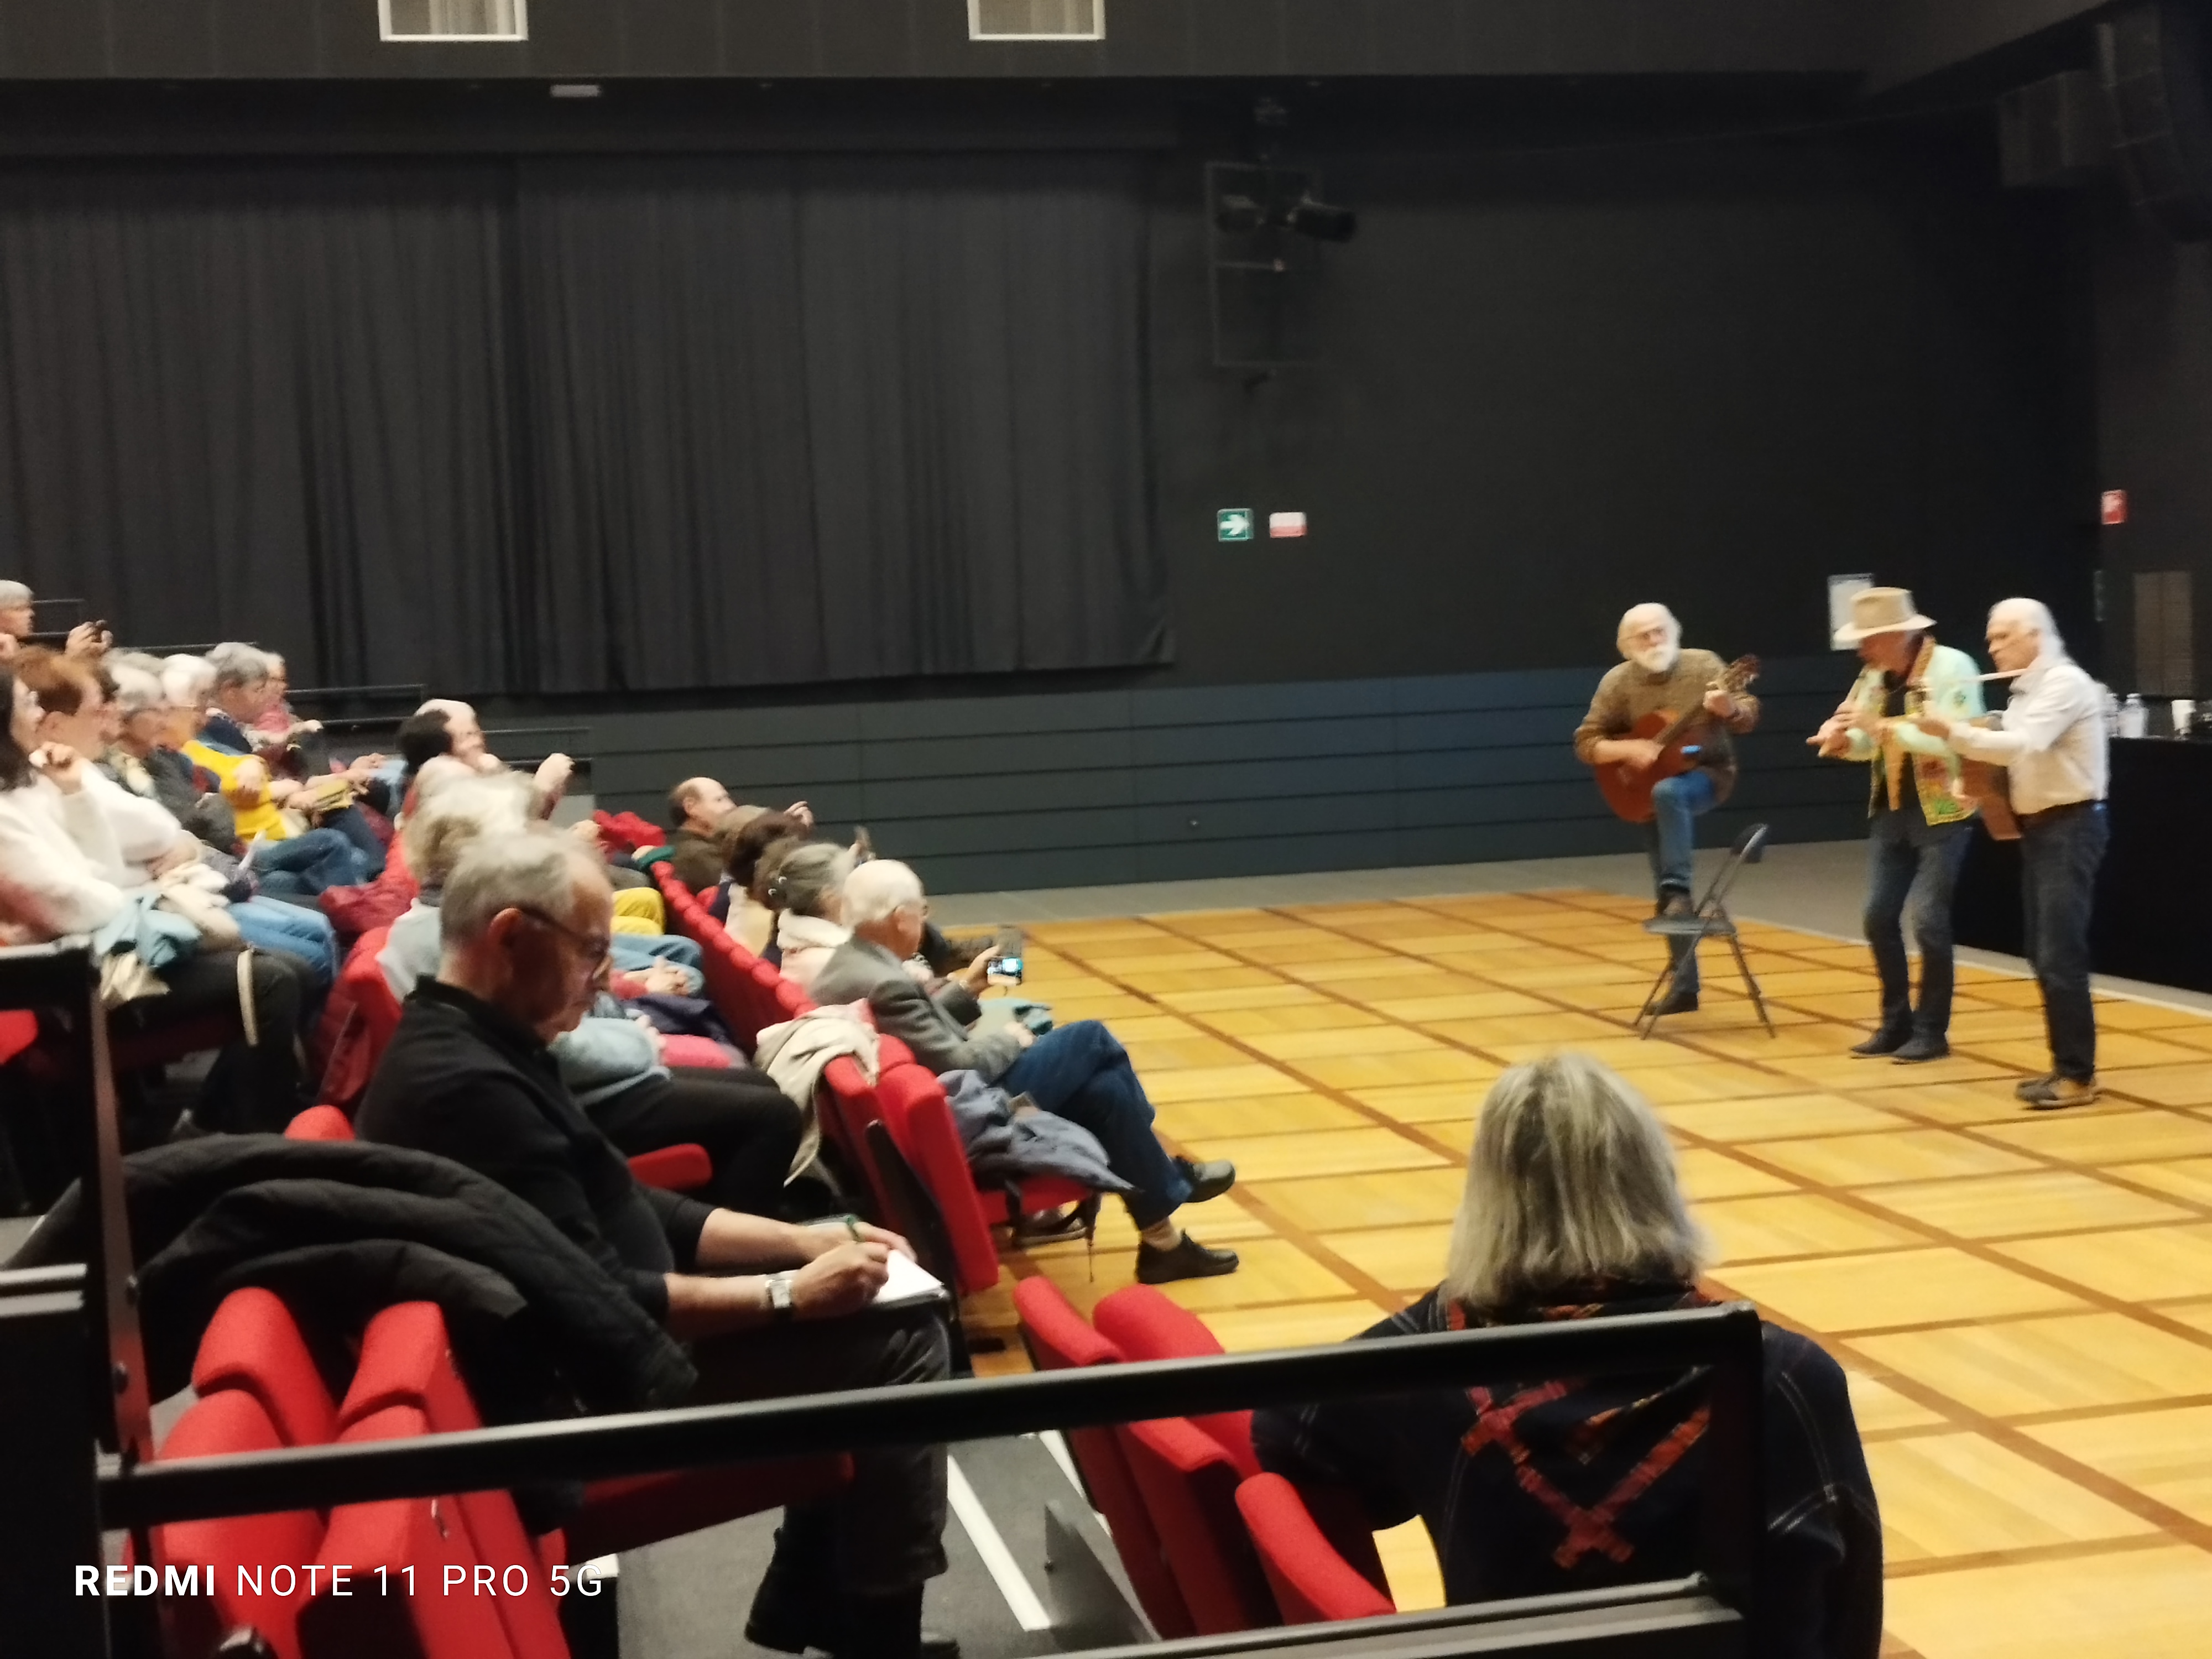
column 1303, row 214
column 1321, row 220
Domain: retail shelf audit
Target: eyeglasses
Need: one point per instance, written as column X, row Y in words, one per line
column 597, row 946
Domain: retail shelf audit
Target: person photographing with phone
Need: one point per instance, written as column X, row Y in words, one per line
column 1078, row 1072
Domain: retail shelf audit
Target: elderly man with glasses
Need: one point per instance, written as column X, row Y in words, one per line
column 769, row 1308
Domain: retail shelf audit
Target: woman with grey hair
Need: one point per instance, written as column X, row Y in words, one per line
column 1573, row 1211
column 803, row 882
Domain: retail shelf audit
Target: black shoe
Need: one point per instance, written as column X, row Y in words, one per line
column 1675, row 901
column 1920, row 1048
column 1881, row 1042
column 1189, row 1260
column 1052, row 1228
column 1676, row 1002
column 1208, row 1180
column 788, row 1629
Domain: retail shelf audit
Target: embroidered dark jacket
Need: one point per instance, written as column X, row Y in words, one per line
column 1573, row 1485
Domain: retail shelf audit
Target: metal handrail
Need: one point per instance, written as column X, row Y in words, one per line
column 599, row 1448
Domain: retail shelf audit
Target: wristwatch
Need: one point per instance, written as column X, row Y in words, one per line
column 779, row 1295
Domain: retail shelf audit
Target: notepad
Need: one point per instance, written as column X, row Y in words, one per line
column 910, row 1284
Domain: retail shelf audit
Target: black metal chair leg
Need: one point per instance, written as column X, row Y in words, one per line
column 1751, row 983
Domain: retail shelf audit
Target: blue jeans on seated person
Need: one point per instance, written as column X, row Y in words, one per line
column 1671, row 838
column 307, row 865
column 633, row 953
column 1081, row 1073
column 354, row 828
column 270, row 924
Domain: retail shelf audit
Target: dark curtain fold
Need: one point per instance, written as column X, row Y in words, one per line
column 589, row 425
column 263, row 402
column 838, row 417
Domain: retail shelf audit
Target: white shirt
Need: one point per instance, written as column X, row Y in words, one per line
column 53, row 848
column 2052, row 743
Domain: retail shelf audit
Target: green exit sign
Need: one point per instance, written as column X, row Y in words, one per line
column 1233, row 524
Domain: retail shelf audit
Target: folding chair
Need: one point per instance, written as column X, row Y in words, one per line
column 1710, row 919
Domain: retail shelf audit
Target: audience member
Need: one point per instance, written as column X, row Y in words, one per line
column 1573, row 1211
column 151, row 844
column 701, row 810
column 611, row 1062
column 464, row 741
column 803, row 883
column 146, row 760
column 1079, row 1071
column 771, row 1309
column 736, row 902
column 55, row 843
column 88, row 641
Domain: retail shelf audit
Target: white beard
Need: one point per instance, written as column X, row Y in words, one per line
column 1659, row 659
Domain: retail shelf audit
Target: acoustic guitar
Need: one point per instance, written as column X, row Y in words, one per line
column 1627, row 789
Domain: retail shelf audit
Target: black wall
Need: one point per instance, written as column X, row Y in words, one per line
column 2154, row 322
column 1588, row 350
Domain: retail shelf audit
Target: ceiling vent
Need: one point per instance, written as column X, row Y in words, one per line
column 453, row 19
column 1037, row 19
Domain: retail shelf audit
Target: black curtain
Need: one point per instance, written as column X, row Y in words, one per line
column 838, row 417
column 587, row 426
column 264, row 403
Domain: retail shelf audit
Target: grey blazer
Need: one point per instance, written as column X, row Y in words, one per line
column 860, row 970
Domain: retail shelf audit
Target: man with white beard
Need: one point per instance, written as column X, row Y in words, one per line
column 1658, row 673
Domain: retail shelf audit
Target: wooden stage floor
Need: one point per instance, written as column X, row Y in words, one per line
column 2023, row 1300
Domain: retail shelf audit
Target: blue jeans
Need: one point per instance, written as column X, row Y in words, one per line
column 1910, row 860
column 2059, row 861
column 270, row 924
column 354, row 828
column 307, row 865
column 1671, row 838
column 1081, row 1073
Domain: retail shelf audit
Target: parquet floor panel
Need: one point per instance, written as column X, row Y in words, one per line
column 2023, row 1302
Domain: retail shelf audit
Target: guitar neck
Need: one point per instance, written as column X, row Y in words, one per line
column 1681, row 724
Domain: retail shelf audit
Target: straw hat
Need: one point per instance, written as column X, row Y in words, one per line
column 1882, row 610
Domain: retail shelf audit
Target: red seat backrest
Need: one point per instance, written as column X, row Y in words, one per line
column 376, row 1543
column 254, row 1344
column 407, row 1360
column 848, row 1103
column 1313, row 1585
column 922, row 1124
column 1059, row 1339
column 1189, row 1486
column 1145, row 1325
column 319, row 1123
column 361, row 1015
column 214, row 1551
column 19, row 1030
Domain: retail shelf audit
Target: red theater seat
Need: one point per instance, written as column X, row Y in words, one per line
column 1059, row 1341
column 319, row 1123
column 406, row 1359
column 1189, row 1485
column 224, row 1600
column 1313, row 1585
column 1144, row 1324
column 254, row 1344
column 376, row 1544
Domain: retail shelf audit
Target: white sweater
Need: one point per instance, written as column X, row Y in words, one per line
column 143, row 830
column 53, row 850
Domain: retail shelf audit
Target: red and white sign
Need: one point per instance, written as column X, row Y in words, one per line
column 1287, row 524
column 2114, row 507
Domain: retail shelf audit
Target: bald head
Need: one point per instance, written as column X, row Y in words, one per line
column 700, row 805
column 1650, row 637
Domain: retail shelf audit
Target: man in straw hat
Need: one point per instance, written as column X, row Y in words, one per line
column 1919, row 820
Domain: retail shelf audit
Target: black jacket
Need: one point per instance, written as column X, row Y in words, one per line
column 465, row 1080
column 341, row 1229
column 1573, row 1485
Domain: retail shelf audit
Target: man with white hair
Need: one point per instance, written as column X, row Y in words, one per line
column 768, row 1308
column 1657, row 673
column 2051, row 740
column 1078, row 1072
